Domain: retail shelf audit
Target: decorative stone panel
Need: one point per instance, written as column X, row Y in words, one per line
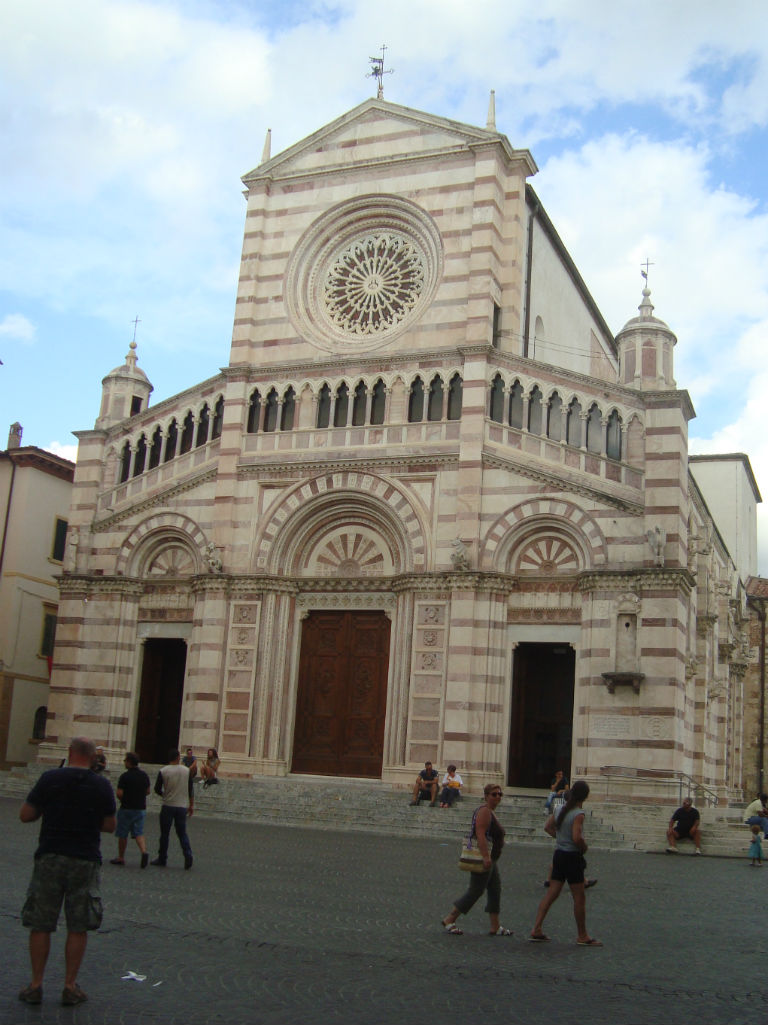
column 239, row 679
column 428, row 663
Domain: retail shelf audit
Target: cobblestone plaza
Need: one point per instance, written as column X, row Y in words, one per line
column 296, row 925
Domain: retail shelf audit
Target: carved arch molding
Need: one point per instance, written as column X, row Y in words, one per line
column 342, row 525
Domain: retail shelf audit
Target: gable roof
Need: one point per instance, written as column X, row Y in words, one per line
column 436, row 135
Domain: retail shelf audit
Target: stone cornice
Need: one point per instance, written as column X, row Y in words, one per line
column 347, row 364
column 302, row 470
column 637, row 580
column 560, row 482
column 73, row 585
column 240, row 586
column 160, row 497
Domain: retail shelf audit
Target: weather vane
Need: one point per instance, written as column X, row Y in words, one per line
column 647, row 264
column 377, row 71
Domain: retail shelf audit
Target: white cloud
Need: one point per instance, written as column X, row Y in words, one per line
column 65, row 451
column 18, row 327
column 620, row 199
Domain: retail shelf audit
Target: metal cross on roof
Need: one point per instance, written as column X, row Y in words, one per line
column 377, row 71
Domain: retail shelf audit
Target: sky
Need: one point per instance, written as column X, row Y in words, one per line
column 125, row 127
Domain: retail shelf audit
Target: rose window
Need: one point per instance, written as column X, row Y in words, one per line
column 364, row 273
column 374, row 283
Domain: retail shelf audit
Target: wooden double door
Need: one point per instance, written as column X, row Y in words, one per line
column 342, row 694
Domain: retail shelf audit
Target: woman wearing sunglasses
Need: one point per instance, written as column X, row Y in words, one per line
column 487, row 830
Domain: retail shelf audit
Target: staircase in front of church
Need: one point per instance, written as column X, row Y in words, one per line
column 375, row 807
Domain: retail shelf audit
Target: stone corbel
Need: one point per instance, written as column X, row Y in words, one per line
column 614, row 680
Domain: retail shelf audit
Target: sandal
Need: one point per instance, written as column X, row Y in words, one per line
column 451, row 928
column 501, row 931
column 538, row 938
column 588, row 943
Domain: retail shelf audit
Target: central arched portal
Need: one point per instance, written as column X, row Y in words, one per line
column 342, row 694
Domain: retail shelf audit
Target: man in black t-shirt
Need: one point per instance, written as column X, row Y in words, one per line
column 684, row 823
column 426, row 785
column 132, row 790
column 76, row 806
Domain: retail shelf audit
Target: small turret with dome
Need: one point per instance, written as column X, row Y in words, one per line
column 125, row 391
column 646, row 347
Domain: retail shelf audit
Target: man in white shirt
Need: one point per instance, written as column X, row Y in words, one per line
column 174, row 785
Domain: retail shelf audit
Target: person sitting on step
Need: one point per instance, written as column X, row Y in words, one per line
column 425, row 785
column 684, row 824
column 452, row 784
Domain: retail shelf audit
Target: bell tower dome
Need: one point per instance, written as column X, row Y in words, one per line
column 646, row 347
column 125, row 392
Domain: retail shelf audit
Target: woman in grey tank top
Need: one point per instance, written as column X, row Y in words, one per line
column 567, row 865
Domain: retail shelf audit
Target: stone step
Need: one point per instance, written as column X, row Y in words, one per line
column 376, row 807
column 368, row 805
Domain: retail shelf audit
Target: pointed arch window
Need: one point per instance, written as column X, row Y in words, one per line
column 171, row 440
column 341, row 406
column 270, row 412
column 254, row 412
column 555, row 418
column 141, row 456
column 39, row 724
column 358, row 404
column 187, row 433
column 416, row 401
column 573, row 430
column 613, row 436
column 324, row 407
column 496, row 403
column 455, row 395
column 289, row 409
column 378, row 402
column 125, row 462
column 218, row 418
column 535, row 410
column 435, row 401
column 203, row 423
column 594, row 430
column 516, row 405
column 156, row 448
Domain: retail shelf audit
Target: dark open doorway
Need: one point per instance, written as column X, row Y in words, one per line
column 162, row 686
column 542, row 713
column 342, row 694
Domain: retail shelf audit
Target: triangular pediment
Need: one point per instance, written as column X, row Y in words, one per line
column 378, row 131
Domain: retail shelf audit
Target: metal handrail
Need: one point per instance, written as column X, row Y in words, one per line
column 682, row 779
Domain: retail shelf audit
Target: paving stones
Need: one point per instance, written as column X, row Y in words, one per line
column 280, row 925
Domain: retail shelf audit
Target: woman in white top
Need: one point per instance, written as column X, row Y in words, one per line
column 452, row 783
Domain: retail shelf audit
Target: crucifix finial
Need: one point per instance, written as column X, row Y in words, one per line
column 377, row 71
column 135, row 323
column 647, row 265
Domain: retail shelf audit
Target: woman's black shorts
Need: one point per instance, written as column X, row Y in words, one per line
column 568, row 867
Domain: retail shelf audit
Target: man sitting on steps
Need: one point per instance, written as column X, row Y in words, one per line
column 425, row 785
column 684, row 823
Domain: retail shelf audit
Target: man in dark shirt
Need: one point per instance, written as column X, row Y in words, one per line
column 190, row 761
column 684, row 823
column 132, row 790
column 76, row 806
column 426, row 785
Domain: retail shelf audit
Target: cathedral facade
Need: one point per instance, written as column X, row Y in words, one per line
column 432, row 509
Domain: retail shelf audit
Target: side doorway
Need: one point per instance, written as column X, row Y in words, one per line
column 542, row 713
column 162, row 688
